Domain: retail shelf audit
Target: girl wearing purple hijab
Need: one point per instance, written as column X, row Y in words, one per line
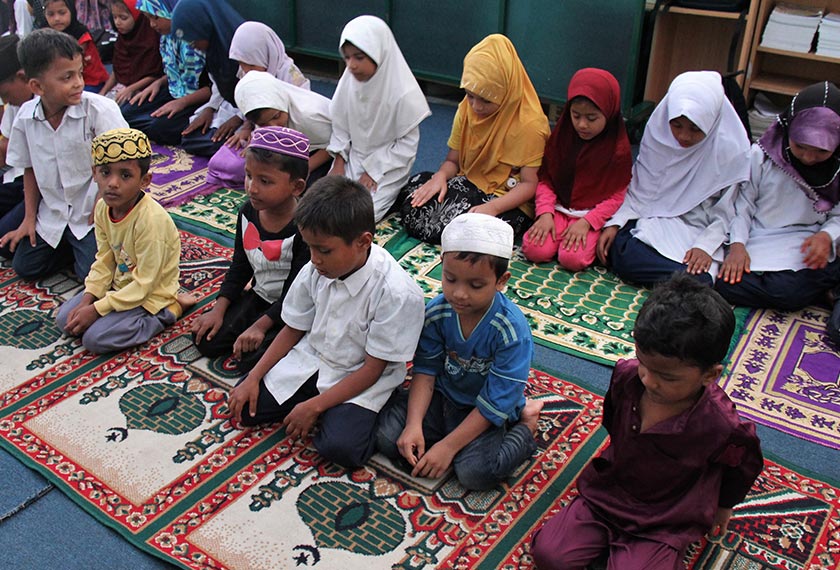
column 783, row 239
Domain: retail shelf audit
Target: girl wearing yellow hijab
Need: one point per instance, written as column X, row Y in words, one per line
column 496, row 147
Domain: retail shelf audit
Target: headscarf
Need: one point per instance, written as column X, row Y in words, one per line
column 584, row 173
column 388, row 105
column 215, row 21
column 159, row 8
column 137, row 53
column 257, row 44
column 76, row 28
column 813, row 118
column 513, row 136
column 669, row 180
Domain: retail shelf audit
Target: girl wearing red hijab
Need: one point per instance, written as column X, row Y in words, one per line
column 584, row 173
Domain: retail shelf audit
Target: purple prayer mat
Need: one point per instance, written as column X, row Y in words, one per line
column 177, row 176
column 785, row 373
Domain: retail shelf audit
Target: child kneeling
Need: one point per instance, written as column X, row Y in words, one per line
column 466, row 404
column 352, row 320
column 679, row 458
column 131, row 292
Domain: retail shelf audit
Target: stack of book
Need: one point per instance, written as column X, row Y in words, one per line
column 828, row 41
column 791, row 28
column 762, row 115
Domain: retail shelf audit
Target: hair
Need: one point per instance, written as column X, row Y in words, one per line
column 336, row 206
column 42, row 47
column 297, row 168
column 8, row 50
column 254, row 114
column 498, row 264
column 687, row 320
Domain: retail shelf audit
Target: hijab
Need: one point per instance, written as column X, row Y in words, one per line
column 76, row 28
column 215, row 21
column 159, row 8
column 813, row 118
column 584, row 173
column 387, row 106
column 669, row 180
column 257, row 44
column 515, row 134
column 137, row 53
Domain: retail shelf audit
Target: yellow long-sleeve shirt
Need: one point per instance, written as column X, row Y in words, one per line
column 136, row 260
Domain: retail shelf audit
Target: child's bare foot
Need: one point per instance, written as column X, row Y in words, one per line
column 187, row 301
column 531, row 413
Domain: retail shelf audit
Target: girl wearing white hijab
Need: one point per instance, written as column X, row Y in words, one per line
column 376, row 112
column 676, row 213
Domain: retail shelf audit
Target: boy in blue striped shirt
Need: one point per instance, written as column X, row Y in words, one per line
column 466, row 405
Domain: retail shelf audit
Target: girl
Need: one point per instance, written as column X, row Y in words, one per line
column 61, row 16
column 496, row 146
column 584, row 174
column 163, row 109
column 136, row 60
column 679, row 202
column 376, row 112
column 787, row 218
column 255, row 47
column 209, row 25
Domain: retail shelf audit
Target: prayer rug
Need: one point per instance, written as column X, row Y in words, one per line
column 785, row 373
column 177, row 176
column 211, row 215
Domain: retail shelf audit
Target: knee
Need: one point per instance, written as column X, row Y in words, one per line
column 574, row 260
column 476, row 477
column 349, row 455
column 538, row 253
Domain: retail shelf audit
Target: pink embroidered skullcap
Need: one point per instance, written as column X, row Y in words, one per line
column 281, row 140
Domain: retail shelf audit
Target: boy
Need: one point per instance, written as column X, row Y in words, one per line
column 267, row 249
column 131, row 292
column 679, row 458
column 466, row 405
column 14, row 91
column 353, row 317
column 51, row 140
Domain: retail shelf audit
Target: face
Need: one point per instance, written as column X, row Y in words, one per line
column 587, row 119
column 58, row 15
column 332, row 256
column 270, row 188
column 481, row 107
column 62, row 83
column 120, row 183
column 272, row 118
column 246, row 67
column 161, row 25
column 123, row 20
column 687, row 133
column 360, row 65
column 15, row 90
column 470, row 287
column 670, row 381
column 809, row 155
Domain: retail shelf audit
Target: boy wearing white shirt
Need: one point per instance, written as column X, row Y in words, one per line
column 50, row 140
column 353, row 318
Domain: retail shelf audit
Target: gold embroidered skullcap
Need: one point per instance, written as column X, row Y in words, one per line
column 120, row 144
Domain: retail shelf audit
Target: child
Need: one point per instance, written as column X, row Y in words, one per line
column 496, row 146
column 61, row 16
column 51, row 140
column 376, row 112
column 787, row 216
column 679, row 457
column 14, row 90
column 131, row 293
column 466, row 405
column 136, row 61
column 584, row 173
column 353, row 317
column 681, row 196
column 268, row 250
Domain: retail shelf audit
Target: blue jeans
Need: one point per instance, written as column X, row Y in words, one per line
column 41, row 260
column 482, row 463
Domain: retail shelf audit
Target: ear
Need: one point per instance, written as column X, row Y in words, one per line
column 711, row 375
column 364, row 240
column 19, row 74
column 146, row 180
column 298, row 186
column 36, row 87
column 501, row 282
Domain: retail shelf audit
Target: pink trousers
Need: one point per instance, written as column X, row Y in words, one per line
column 553, row 249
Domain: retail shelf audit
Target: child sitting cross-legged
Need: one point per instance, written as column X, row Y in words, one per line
column 131, row 292
column 466, row 405
column 353, row 317
column 679, row 456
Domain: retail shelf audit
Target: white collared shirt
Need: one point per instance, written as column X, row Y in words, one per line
column 6, row 123
column 61, row 160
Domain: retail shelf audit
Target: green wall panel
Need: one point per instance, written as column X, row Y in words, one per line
column 279, row 14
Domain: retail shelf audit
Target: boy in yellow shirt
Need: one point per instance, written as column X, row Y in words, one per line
column 131, row 292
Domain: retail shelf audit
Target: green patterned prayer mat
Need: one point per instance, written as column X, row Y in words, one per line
column 211, row 215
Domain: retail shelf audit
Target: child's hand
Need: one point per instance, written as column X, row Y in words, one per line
column 816, row 248
column 368, row 182
column 248, row 341
column 124, row 96
column 207, row 325
column 202, row 122
column 168, row 109
column 698, row 261
column 435, row 462
column 301, row 419
column 227, row 129
column 737, row 263
column 605, row 241
column 80, row 319
column 574, row 235
column 239, row 139
column 412, row 444
column 244, row 393
column 338, row 167
column 12, row 238
column 541, row 228
column 721, row 521
column 487, row 208
column 434, row 186
column 147, row 94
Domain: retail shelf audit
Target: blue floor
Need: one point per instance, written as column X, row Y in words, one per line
column 40, row 528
